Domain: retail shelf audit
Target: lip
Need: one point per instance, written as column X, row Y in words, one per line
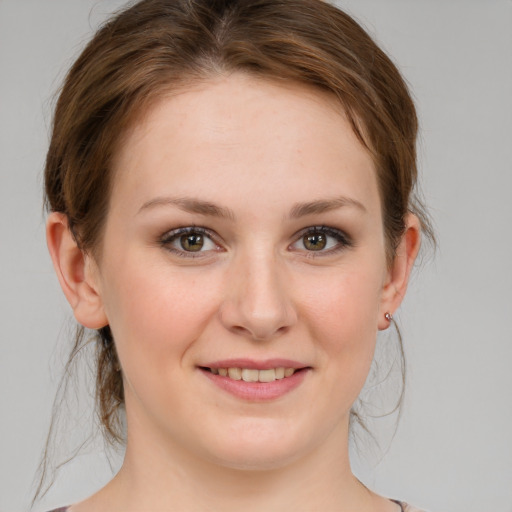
column 253, row 364
column 256, row 391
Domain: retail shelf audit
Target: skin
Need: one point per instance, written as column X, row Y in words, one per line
column 255, row 149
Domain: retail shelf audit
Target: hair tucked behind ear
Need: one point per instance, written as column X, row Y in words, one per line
column 157, row 46
column 109, row 387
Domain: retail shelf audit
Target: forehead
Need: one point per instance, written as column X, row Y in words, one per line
column 242, row 133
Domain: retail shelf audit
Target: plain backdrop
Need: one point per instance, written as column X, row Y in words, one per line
column 453, row 448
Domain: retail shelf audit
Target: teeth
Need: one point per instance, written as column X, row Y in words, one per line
column 267, row 375
column 235, row 373
column 250, row 375
column 253, row 375
column 288, row 372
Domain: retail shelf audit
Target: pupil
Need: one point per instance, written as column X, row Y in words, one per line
column 192, row 242
column 315, row 242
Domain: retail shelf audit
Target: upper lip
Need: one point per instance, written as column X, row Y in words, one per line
column 253, row 364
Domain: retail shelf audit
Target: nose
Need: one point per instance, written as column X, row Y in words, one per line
column 258, row 300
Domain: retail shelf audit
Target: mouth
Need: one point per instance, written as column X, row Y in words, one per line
column 256, row 381
column 254, row 374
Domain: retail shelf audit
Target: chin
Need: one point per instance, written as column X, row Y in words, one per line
column 258, row 446
column 255, row 460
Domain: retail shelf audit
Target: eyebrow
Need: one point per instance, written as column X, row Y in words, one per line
column 322, row 206
column 194, row 205
column 190, row 205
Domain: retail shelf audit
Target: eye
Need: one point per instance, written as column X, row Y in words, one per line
column 321, row 239
column 315, row 241
column 189, row 240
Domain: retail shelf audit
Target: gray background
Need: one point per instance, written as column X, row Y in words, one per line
column 453, row 449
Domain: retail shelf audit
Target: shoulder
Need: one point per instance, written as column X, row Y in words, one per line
column 410, row 508
column 405, row 507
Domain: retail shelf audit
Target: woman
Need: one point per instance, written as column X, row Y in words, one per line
column 230, row 193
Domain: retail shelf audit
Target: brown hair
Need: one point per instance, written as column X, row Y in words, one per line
column 156, row 46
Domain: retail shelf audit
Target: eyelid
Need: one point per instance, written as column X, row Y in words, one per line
column 173, row 234
column 343, row 239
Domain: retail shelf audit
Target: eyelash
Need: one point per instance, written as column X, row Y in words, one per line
column 342, row 239
column 171, row 236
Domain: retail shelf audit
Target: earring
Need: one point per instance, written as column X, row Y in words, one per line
column 388, row 317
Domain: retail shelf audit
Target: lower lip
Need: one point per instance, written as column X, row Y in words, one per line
column 257, row 391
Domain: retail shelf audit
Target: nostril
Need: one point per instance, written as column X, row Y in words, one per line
column 256, row 316
column 238, row 329
column 262, row 334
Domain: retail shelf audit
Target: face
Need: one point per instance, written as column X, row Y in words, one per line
column 244, row 237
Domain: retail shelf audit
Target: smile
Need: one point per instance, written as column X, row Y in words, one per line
column 256, row 381
column 254, row 375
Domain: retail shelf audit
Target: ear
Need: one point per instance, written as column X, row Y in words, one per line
column 398, row 273
column 76, row 271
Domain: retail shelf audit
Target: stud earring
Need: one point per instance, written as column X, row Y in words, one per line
column 388, row 317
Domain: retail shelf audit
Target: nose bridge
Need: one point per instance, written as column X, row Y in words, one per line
column 258, row 301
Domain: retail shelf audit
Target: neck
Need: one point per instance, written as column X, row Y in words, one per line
column 159, row 476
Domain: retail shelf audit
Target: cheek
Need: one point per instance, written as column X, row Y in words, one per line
column 155, row 313
column 345, row 302
column 343, row 314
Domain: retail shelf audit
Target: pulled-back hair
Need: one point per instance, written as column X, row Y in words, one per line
column 157, row 46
